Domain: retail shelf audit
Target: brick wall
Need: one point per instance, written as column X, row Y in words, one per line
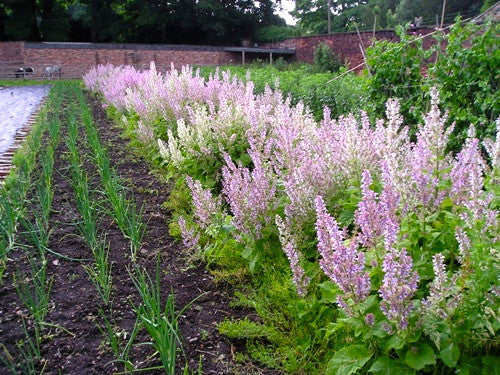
column 75, row 59
column 344, row 44
column 11, row 55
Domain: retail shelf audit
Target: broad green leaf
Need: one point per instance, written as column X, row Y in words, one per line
column 418, row 357
column 395, row 342
column 329, row 291
column 388, row 366
column 348, row 360
column 450, row 354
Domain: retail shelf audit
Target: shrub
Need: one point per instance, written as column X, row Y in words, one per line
column 463, row 71
column 325, row 60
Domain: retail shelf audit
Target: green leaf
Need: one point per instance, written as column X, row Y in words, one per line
column 491, row 365
column 471, row 366
column 348, row 360
column 450, row 354
column 388, row 366
column 329, row 291
column 395, row 342
column 418, row 357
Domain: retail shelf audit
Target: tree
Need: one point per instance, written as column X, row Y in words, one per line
column 407, row 10
column 313, row 14
column 150, row 21
column 346, row 14
column 21, row 20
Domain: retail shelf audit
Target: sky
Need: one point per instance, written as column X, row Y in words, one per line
column 287, row 6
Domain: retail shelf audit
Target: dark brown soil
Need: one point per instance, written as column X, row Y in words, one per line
column 81, row 347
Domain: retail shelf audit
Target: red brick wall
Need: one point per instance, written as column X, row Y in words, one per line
column 344, row 44
column 11, row 57
column 75, row 62
column 11, row 53
column 76, row 59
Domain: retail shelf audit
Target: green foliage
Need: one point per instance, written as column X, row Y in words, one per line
column 274, row 33
column 381, row 14
column 396, row 73
column 407, row 10
column 325, row 60
column 149, row 21
column 417, row 357
column 348, row 360
column 463, row 73
column 302, row 83
column 467, row 78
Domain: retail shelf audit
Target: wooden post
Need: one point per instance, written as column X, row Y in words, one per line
column 243, row 57
column 364, row 58
column 271, row 58
column 442, row 14
column 329, row 13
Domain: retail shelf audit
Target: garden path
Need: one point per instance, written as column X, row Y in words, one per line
column 16, row 106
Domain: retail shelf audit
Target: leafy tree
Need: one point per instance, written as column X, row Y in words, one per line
column 151, row 21
column 407, row 10
column 274, row 33
column 104, row 21
column 156, row 21
column 325, row 60
column 312, row 16
column 346, row 14
column 21, row 20
column 54, row 20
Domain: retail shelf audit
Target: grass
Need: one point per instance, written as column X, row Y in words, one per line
column 30, row 82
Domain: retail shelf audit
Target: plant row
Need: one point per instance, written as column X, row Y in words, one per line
column 366, row 249
column 28, row 230
column 460, row 62
column 25, row 227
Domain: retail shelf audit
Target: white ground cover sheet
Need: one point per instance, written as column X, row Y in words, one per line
column 16, row 105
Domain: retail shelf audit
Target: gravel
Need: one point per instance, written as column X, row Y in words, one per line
column 16, row 106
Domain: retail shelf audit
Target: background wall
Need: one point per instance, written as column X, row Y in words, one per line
column 344, row 44
column 75, row 59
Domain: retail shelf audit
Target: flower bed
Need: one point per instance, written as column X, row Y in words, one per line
column 364, row 249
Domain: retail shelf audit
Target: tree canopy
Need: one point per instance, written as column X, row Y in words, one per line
column 209, row 21
column 346, row 14
column 140, row 21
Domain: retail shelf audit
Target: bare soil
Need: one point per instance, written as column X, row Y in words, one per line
column 81, row 347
